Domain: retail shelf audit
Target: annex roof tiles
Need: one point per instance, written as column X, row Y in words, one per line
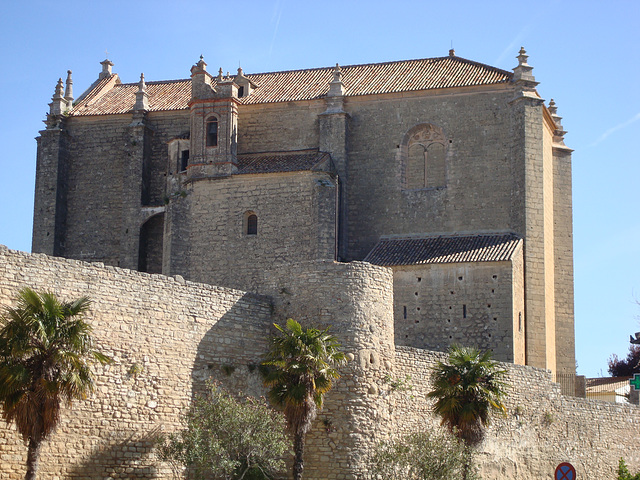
column 307, row 84
column 390, row 252
column 280, row 162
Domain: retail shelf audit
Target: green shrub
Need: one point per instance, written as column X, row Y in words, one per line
column 623, row 472
column 225, row 439
column 425, row 455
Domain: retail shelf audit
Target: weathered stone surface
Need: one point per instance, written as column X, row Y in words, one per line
column 168, row 336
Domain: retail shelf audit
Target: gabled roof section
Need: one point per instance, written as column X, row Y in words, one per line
column 308, row 84
column 280, row 162
column 375, row 78
column 166, row 95
column 390, row 252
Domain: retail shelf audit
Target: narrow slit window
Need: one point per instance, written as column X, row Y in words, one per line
column 212, row 133
column 252, row 224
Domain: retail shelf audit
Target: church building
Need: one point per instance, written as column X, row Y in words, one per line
column 452, row 173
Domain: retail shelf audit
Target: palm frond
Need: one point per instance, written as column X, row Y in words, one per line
column 45, row 350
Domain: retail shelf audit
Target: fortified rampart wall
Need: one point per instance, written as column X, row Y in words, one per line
column 167, row 336
column 541, row 429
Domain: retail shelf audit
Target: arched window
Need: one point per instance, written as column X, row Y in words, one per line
column 212, row 132
column 250, row 223
column 424, row 157
column 435, row 165
column 415, row 167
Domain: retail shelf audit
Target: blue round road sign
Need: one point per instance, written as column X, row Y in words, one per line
column 565, row 471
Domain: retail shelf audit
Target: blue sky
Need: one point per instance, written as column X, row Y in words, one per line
column 585, row 54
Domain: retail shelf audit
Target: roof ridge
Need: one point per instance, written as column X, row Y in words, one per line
column 390, row 62
column 154, row 82
column 421, row 236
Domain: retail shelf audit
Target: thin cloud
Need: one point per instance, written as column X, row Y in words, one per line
column 518, row 40
column 275, row 18
column 514, row 45
column 620, row 126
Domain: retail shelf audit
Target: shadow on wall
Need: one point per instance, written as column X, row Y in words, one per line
column 119, row 458
column 231, row 351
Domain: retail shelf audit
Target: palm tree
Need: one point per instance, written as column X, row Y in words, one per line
column 301, row 362
column 45, row 348
column 466, row 390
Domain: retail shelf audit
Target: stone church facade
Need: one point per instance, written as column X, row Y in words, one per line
column 452, row 173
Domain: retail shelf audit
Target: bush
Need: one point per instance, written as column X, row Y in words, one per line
column 624, row 474
column 425, row 455
column 228, row 439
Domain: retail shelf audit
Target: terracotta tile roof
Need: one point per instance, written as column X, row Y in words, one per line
column 167, row 95
column 308, row 84
column 443, row 249
column 281, row 161
column 375, row 78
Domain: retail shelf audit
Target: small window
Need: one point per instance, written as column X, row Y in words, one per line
column 184, row 160
column 212, row 133
column 241, row 91
column 252, row 224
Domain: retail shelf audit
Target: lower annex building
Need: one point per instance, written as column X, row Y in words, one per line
column 452, row 173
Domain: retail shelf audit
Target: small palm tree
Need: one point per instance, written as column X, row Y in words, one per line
column 45, row 348
column 466, row 390
column 301, row 362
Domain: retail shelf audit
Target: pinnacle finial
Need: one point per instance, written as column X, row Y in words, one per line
column 106, row 68
column 142, row 98
column 142, row 86
column 58, row 104
column 336, row 87
column 523, row 72
column 553, row 110
column 452, row 53
column 337, row 74
column 59, row 92
column 522, row 56
column 201, row 65
column 68, row 94
column 240, row 72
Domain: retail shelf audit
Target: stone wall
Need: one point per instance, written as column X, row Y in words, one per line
column 296, row 222
column 97, row 175
column 106, row 176
column 478, row 193
column 173, row 333
column 542, row 428
column 474, row 304
column 563, row 245
column 278, row 126
column 167, row 336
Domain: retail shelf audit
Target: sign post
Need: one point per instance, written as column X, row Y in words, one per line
column 565, row 471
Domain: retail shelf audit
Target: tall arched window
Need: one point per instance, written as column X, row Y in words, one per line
column 212, row 132
column 415, row 167
column 424, row 157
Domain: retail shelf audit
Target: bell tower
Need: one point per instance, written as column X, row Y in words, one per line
column 214, row 124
